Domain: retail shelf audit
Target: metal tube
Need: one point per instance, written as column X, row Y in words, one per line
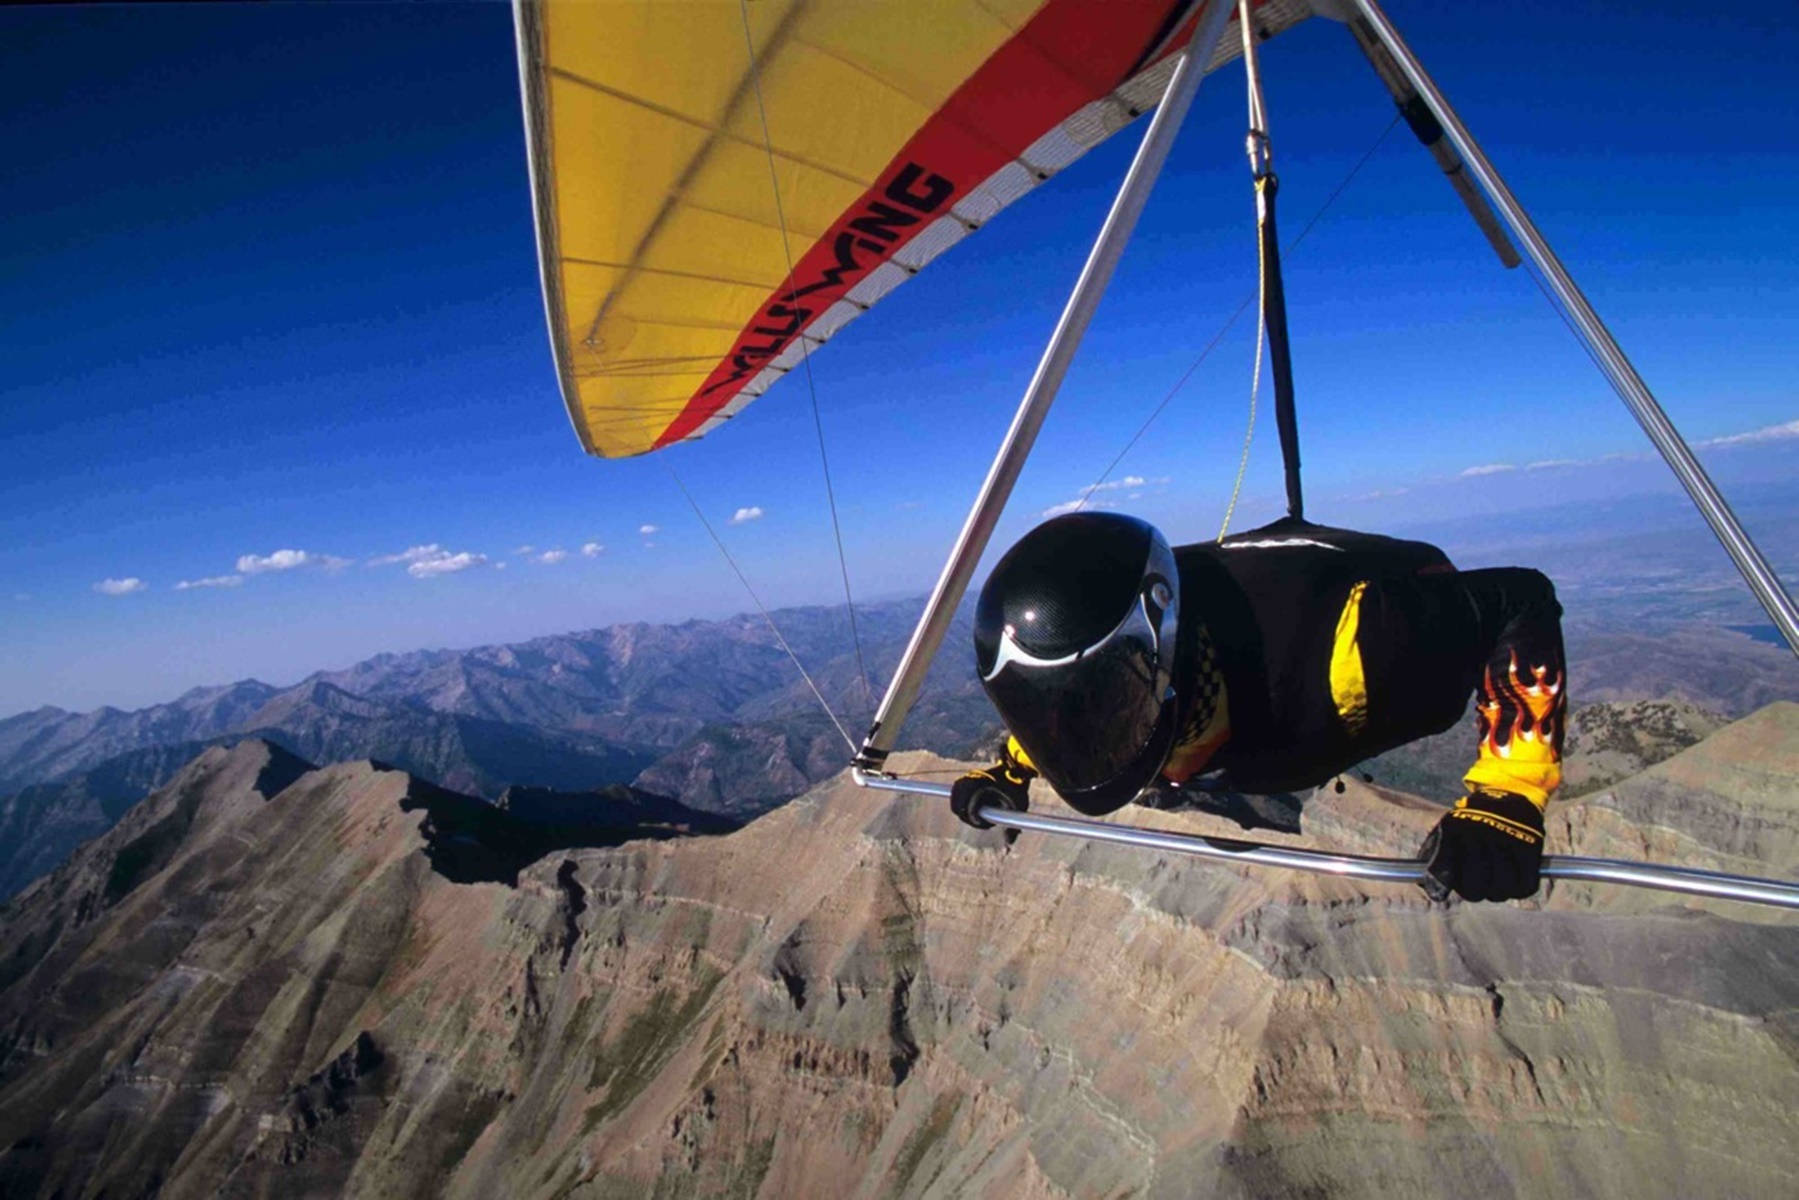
column 1429, row 132
column 1252, row 78
column 1686, row 880
column 1057, row 355
column 1613, row 363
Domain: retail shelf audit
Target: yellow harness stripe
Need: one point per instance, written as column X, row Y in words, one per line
column 1349, row 687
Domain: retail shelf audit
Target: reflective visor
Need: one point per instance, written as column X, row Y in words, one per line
column 1087, row 720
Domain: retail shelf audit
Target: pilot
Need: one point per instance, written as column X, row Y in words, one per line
column 1271, row 661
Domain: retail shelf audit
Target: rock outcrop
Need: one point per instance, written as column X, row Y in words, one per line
column 856, row 995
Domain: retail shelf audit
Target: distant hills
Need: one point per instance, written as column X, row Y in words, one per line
column 709, row 713
column 44, row 821
column 601, row 704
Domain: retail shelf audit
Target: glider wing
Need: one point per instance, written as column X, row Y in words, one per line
column 705, row 217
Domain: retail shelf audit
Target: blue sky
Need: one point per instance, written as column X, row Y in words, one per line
column 268, row 284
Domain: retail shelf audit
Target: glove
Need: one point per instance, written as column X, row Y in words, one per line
column 1488, row 847
column 1003, row 785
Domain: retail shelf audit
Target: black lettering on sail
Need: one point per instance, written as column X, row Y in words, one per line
column 876, row 229
column 883, row 222
column 937, row 189
column 795, row 317
column 832, row 276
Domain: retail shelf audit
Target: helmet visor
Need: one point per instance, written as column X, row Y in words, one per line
column 1087, row 719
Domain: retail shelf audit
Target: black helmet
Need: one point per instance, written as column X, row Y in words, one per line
column 1074, row 637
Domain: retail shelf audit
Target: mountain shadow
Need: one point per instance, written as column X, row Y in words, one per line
column 468, row 840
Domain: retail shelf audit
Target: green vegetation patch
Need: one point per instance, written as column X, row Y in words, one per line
column 626, row 1065
column 755, row 1169
column 925, row 1138
column 900, row 943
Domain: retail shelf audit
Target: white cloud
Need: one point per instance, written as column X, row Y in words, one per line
column 1377, row 494
column 1551, row 464
column 745, row 515
column 211, row 581
column 550, row 558
column 1488, row 469
column 1068, row 506
column 1129, row 481
column 332, row 563
column 647, row 530
column 408, row 555
column 1084, row 498
column 444, row 563
column 280, row 560
column 500, row 566
column 1770, row 433
column 120, row 587
column 592, row 550
column 527, row 548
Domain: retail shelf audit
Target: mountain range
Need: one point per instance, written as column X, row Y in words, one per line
column 271, row 979
column 712, row 713
column 709, row 713
column 622, row 697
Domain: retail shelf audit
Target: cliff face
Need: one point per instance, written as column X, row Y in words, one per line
column 854, row 995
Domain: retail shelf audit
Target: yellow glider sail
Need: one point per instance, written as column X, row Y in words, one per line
column 689, row 260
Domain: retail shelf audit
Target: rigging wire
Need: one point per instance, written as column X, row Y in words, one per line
column 760, row 607
column 818, row 425
column 1232, row 320
column 1260, row 163
column 806, row 358
column 1567, row 322
column 1255, row 387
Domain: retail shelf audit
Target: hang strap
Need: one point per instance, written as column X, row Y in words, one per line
column 1274, row 294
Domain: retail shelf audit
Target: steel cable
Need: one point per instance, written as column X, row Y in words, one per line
column 824, row 458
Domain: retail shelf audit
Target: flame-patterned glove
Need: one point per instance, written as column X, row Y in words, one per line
column 1488, row 847
column 1003, row 785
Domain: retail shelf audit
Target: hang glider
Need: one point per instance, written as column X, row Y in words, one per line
column 707, row 215
column 721, row 187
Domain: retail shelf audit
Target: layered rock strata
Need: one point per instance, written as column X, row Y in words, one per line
column 857, row 996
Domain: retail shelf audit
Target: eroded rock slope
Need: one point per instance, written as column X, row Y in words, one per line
column 856, row 996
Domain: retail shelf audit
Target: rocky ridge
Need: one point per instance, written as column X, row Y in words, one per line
column 713, row 714
column 42, row 823
column 708, row 712
column 290, row 999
